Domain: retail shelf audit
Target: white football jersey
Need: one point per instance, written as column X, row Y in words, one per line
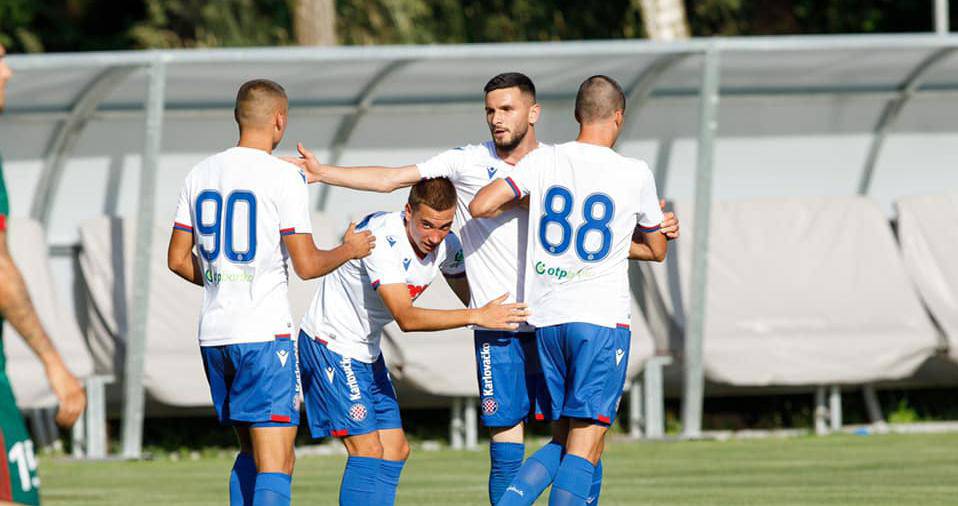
column 239, row 204
column 346, row 311
column 584, row 203
column 495, row 247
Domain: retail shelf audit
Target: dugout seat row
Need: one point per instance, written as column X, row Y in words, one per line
column 802, row 292
column 427, row 366
column 28, row 248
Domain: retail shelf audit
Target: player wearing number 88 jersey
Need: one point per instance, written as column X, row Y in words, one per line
column 585, row 204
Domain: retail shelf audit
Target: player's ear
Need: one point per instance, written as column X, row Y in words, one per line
column 534, row 112
column 408, row 211
column 619, row 118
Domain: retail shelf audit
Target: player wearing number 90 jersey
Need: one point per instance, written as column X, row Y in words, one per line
column 238, row 204
column 246, row 212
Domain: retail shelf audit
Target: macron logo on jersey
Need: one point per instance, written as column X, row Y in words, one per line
column 391, row 240
column 491, row 171
column 330, row 372
column 283, row 356
column 405, row 264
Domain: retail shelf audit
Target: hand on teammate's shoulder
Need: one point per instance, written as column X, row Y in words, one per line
column 670, row 224
column 307, row 162
column 358, row 244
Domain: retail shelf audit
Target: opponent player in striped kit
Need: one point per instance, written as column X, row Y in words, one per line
column 509, row 377
column 585, row 201
column 246, row 212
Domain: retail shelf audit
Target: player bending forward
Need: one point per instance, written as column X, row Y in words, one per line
column 584, row 203
column 347, row 388
column 246, row 212
column 507, row 363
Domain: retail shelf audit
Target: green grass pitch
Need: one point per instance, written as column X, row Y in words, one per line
column 835, row 470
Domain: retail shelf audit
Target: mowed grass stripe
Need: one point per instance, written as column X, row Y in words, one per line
column 836, row 470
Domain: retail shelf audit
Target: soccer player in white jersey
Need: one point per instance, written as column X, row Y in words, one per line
column 585, row 201
column 246, row 212
column 346, row 385
column 509, row 378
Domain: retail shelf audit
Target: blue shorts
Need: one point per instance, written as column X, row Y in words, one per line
column 254, row 384
column 511, row 386
column 345, row 397
column 585, row 367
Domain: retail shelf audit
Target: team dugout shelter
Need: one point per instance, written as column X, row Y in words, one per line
column 814, row 177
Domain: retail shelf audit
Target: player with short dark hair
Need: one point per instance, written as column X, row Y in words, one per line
column 347, row 388
column 508, row 374
column 585, row 203
column 19, row 481
column 246, row 212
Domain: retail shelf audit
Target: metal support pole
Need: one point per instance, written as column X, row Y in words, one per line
column 835, row 408
column 133, row 396
column 96, row 440
column 472, row 423
column 694, row 388
column 654, row 397
column 872, row 406
column 456, row 424
column 635, row 408
column 821, row 412
column 906, row 90
column 941, row 17
column 79, row 437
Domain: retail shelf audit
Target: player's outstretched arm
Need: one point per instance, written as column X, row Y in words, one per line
column 492, row 199
column 181, row 259
column 16, row 307
column 494, row 315
column 311, row 262
column 370, row 178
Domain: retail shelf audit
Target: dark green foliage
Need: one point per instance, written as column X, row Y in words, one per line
column 83, row 25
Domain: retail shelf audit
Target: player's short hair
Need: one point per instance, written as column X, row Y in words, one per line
column 511, row 80
column 598, row 98
column 256, row 101
column 437, row 193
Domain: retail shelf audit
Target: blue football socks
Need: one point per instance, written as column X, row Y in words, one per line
column 593, row 499
column 359, row 481
column 387, row 481
column 242, row 480
column 533, row 477
column 505, row 460
column 572, row 482
column 272, row 489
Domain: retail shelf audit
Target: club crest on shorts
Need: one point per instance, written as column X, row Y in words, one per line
column 619, row 354
column 490, row 406
column 357, row 412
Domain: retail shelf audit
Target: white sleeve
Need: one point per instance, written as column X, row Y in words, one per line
column 383, row 265
column 183, row 220
column 525, row 177
column 649, row 213
column 294, row 206
column 445, row 164
column 454, row 265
